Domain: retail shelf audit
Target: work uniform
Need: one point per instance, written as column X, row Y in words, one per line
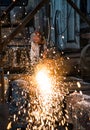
column 38, row 45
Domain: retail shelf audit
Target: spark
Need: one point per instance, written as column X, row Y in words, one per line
column 48, row 103
column 9, row 126
column 78, row 84
column 45, row 89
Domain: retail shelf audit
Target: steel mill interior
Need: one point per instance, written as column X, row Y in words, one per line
column 44, row 64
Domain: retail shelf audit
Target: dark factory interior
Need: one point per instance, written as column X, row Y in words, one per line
column 44, row 64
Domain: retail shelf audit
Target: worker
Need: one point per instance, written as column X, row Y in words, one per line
column 38, row 46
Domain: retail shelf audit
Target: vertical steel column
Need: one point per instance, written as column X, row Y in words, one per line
column 1, row 70
column 1, row 85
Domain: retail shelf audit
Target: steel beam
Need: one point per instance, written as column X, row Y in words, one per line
column 79, row 11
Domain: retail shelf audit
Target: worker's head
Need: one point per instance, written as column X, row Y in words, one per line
column 37, row 37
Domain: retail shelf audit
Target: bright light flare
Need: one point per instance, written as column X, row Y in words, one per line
column 48, row 94
column 45, row 88
column 43, row 80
